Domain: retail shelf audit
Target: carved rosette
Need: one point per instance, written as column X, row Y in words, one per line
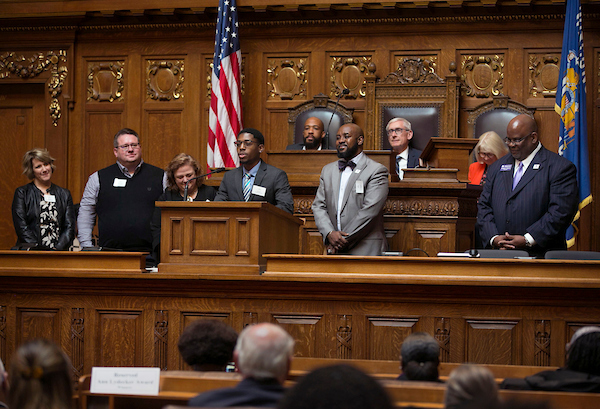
column 344, row 337
column 542, row 343
column 209, row 70
column 105, row 81
column 421, row 207
column 303, row 205
column 482, row 75
column 164, row 80
column 286, row 78
column 77, row 342
column 17, row 65
column 543, row 75
column 349, row 72
column 442, row 335
column 161, row 332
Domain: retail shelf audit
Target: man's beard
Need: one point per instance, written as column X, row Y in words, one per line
column 350, row 152
column 314, row 144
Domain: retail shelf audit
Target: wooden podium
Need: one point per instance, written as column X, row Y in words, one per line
column 450, row 153
column 224, row 237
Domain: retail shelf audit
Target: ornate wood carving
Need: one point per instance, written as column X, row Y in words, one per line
column 543, row 74
column 161, row 344
column 543, row 334
column 17, row 65
column 413, row 70
column 303, row 205
column 421, row 207
column 482, row 75
column 3, row 332
column 442, row 335
column 105, row 81
column 77, row 343
column 429, row 60
column 349, row 72
column 164, row 80
column 344, row 337
column 286, row 78
column 250, row 318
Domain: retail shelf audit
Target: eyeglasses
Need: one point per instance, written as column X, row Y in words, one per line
column 129, row 145
column 516, row 141
column 485, row 154
column 397, row 131
column 245, row 143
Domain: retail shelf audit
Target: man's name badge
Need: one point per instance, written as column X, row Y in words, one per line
column 119, row 182
column 505, row 167
column 360, row 187
column 50, row 198
column 259, row 190
column 536, row 166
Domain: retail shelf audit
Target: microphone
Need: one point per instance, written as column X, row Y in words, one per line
column 346, row 91
column 185, row 190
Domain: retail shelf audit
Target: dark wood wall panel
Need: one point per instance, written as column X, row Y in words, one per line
column 163, row 137
column 101, row 128
column 38, row 323
column 115, row 349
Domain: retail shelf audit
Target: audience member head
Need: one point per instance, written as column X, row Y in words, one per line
column 337, row 386
column 207, row 345
column 40, row 377
column 399, row 132
column 250, row 144
column 521, row 136
column 313, row 133
column 490, row 148
column 41, row 156
column 264, row 351
column 349, row 141
column 471, row 387
column 420, row 357
column 182, row 168
column 583, row 352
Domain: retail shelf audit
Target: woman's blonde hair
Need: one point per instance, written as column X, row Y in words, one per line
column 490, row 142
column 40, row 154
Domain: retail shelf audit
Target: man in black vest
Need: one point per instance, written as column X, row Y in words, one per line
column 123, row 196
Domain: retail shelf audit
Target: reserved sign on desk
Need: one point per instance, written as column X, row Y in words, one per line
column 125, row 381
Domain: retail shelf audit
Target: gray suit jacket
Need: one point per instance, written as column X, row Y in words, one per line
column 274, row 180
column 362, row 213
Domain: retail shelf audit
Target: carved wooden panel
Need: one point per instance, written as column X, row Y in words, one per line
column 287, row 77
column 161, row 343
column 482, row 75
column 101, row 128
column 442, row 334
column 386, row 334
column 424, row 239
column 175, row 224
column 404, row 62
column 164, row 80
column 305, row 329
column 492, row 341
column 421, row 207
column 114, row 349
column 38, row 323
column 542, row 337
column 162, row 137
column 105, row 81
column 349, row 72
column 77, row 342
column 544, row 69
column 242, row 235
column 202, row 244
column 343, row 337
column 572, row 327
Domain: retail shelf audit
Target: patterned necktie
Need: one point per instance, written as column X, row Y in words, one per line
column 247, row 188
column 518, row 175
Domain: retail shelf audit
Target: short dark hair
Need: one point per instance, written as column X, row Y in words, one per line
column 125, row 131
column 254, row 132
column 584, row 354
column 337, row 386
column 207, row 343
column 420, row 354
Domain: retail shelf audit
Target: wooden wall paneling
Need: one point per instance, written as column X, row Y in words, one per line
column 442, row 331
column 76, row 340
column 493, row 341
column 113, row 349
column 163, row 134
column 101, row 127
column 306, row 329
column 386, row 334
column 36, row 322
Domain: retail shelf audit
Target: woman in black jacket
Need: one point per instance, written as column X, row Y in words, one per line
column 42, row 212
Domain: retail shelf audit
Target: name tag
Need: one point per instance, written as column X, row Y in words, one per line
column 49, row 198
column 360, row 187
column 259, row 190
column 536, row 166
column 119, row 182
column 129, row 381
column 506, row 167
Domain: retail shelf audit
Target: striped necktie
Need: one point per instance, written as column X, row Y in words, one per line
column 247, row 186
column 518, row 175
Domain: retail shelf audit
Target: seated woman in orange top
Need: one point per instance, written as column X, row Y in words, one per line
column 488, row 150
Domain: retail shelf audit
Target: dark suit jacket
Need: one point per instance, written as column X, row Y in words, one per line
column 413, row 157
column 560, row 380
column 543, row 204
column 274, row 180
column 298, row 147
column 249, row 392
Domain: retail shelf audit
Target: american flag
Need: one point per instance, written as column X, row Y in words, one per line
column 225, row 115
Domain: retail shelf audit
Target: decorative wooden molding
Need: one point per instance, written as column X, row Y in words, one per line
column 421, row 207
column 542, row 339
column 164, row 80
column 429, row 60
column 77, row 342
column 543, row 75
column 302, row 205
column 482, row 75
column 286, row 77
column 413, row 70
column 161, row 340
column 349, row 72
column 442, row 335
column 105, row 81
column 344, row 337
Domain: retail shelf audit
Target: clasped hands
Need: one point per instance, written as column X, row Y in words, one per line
column 337, row 241
column 510, row 242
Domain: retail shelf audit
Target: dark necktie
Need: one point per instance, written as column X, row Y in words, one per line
column 342, row 164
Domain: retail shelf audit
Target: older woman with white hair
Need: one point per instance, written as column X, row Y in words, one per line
column 488, row 150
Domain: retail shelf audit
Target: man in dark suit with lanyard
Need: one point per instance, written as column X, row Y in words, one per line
column 530, row 196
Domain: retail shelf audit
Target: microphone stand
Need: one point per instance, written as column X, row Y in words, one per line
column 346, row 91
column 185, row 190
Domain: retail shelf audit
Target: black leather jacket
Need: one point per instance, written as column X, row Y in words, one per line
column 26, row 215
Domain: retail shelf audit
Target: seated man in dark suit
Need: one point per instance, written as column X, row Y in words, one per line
column 530, row 196
column 313, row 135
column 399, row 134
column 262, row 355
column 254, row 180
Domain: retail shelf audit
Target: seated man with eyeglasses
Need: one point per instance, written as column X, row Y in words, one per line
column 122, row 196
column 399, row 134
column 530, row 196
column 254, row 180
